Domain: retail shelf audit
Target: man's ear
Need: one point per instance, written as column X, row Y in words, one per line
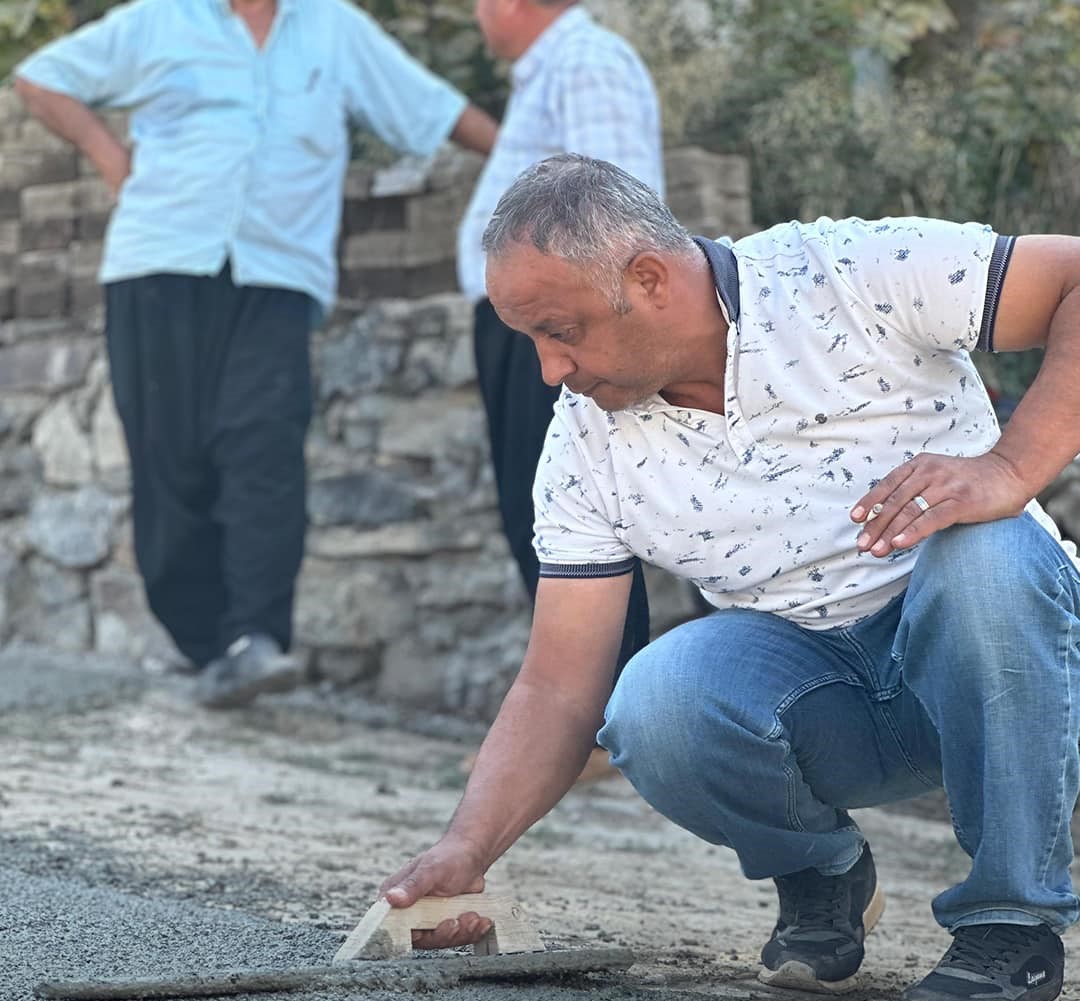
column 648, row 276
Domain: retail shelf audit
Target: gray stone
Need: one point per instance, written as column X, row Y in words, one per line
column 44, row 366
column 107, row 437
column 65, row 453
column 93, row 197
column 123, row 624
column 67, row 627
column 18, row 411
column 415, row 538
column 52, row 586
column 425, row 365
column 47, row 607
column 48, row 216
column 343, row 667
column 438, row 212
column 693, row 167
column 9, row 567
column 429, row 425
column 460, row 363
column 13, row 537
column 356, row 606
column 411, row 674
column 41, row 282
column 26, row 329
column 20, row 479
column 449, row 581
column 85, row 397
column 72, row 529
column 478, row 673
column 12, row 109
column 364, row 499
column 356, row 362
column 9, row 240
column 21, row 166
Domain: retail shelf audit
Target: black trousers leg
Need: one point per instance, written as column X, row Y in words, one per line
column 261, row 420
column 177, row 346
column 519, row 407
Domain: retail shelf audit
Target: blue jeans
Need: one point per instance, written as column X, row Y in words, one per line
column 753, row 732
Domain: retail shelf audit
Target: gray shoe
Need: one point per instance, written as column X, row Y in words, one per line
column 252, row 665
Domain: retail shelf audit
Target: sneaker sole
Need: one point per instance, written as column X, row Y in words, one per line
column 798, row 976
column 283, row 678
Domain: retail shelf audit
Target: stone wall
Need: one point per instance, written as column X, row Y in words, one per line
column 407, row 588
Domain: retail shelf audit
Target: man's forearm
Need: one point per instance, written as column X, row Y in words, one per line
column 534, row 751
column 1043, row 433
column 75, row 122
column 475, row 130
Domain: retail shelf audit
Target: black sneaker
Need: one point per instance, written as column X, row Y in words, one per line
column 1005, row 962
column 817, row 944
column 252, row 665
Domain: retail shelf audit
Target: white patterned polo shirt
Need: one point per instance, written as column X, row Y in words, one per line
column 848, row 354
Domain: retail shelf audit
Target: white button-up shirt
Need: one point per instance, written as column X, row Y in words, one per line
column 578, row 89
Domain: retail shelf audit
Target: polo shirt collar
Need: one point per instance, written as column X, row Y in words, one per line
column 532, row 60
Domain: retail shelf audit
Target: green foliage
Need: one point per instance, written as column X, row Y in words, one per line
column 25, row 24
column 959, row 109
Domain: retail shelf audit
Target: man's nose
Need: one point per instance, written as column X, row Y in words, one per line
column 555, row 365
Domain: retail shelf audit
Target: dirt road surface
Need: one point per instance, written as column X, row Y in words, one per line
column 141, row 836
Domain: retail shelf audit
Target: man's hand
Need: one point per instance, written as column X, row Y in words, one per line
column 931, row 492
column 114, row 164
column 444, row 870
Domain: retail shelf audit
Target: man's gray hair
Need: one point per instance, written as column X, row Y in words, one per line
column 587, row 212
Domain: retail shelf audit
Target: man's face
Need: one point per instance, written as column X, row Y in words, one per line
column 496, row 19
column 616, row 359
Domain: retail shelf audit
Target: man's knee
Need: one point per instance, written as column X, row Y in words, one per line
column 963, row 568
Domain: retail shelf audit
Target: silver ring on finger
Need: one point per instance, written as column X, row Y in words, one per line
column 921, row 503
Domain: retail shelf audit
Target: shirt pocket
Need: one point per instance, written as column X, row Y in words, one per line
column 311, row 116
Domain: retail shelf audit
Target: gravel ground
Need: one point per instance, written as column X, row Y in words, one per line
column 143, row 837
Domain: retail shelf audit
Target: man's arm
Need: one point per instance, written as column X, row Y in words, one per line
column 1039, row 307
column 400, row 100
column 102, row 64
column 475, row 130
column 534, row 751
column 74, row 121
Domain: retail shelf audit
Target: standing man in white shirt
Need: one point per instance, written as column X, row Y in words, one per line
column 219, row 257
column 576, row 88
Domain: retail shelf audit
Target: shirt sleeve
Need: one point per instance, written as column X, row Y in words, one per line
column 609, row 111
column 391, row 94
column 99, row 64
column 936, row 282
column 573, row 536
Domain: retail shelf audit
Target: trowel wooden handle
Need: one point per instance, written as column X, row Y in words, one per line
column 385, row 932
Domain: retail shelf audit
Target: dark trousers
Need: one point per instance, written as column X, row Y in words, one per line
column 213, row 387
column 519, row 406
